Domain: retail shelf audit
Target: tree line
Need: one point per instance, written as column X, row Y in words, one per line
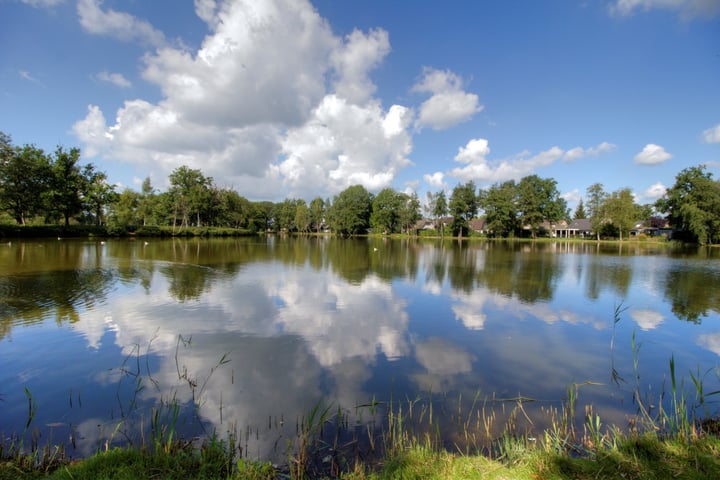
column 50, row 188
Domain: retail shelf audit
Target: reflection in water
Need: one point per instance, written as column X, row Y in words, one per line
column 242, row 332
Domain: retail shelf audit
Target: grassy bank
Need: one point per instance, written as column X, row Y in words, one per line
column 641, row 457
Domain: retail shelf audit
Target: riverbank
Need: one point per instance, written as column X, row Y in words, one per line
column 636, row 457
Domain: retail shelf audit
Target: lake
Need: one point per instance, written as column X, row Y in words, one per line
column 98, row 340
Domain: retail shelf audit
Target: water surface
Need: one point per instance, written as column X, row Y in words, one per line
column 249, row 334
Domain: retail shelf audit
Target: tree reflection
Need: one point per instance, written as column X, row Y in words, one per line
column 692, row 292
column 51, row 280
column 526, row 271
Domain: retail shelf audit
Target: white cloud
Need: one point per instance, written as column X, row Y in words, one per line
column 579, row 152
column 251, row 106
column 652, row 155
column 42, row 3
column 119, row 25
column 449, row 103
column 354, row 60
column 346, row 144
column 686, row 8
column 434, row 179
column 116, row 79
column 25, row 75
column 481, row 169
column 712, row 135
column 654, row 191
column 478, row 168
column 572, row 197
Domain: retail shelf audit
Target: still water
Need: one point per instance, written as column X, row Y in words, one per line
column 249, row 334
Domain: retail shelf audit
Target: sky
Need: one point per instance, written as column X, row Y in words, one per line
column 285, row 99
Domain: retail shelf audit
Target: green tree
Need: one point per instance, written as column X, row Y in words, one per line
column 409, row 212
column 189, row 192
column 262, row 218
column 595, row 206
column 440, row 210
column 499, row 204
column 68, row 184
column 125, row 211
column 98, row 194
column 148, row 204
column 350, row 211
column 233, row 210
column 463, row 206
column 580, row 211
column 622, row 211
column 385, row 215
column 317, row 213
column 302, row 216
column 693, row 204
column 539, row 200
column 285, row 215
column 25, row 179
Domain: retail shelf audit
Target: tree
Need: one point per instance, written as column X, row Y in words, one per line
column 440, row 211
column 25, row 179
column 539, row 200
column 463, row 206
column 68, row 184
column 621, row 210
column 693, row 204
column 385, row 216
column 350, row 211
column 189, row 193
column 498, row 202
column 148, row 203
column 302, row 216
column 580, row 211
column 125, row 211
column 596, row 201
column 409, row 212
column 317, row 213
column 98, row 194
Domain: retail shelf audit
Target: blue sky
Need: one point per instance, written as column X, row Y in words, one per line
column 289, row 98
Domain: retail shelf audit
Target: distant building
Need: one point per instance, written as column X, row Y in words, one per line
column 579, row 227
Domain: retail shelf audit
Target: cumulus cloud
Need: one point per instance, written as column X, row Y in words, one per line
column 346, row 144
column 119, row 25
column 580, row 152
column 355, row 59
column 434, row 179
column 712, row 135
column 254, row 103
column 478, row 168
column 652, row 155
column 116, row 79
column 449, row 103
column 686, row 8
column 654, row 191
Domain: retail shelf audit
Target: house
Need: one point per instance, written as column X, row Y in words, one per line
column 580, row 227
column 478, row 225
